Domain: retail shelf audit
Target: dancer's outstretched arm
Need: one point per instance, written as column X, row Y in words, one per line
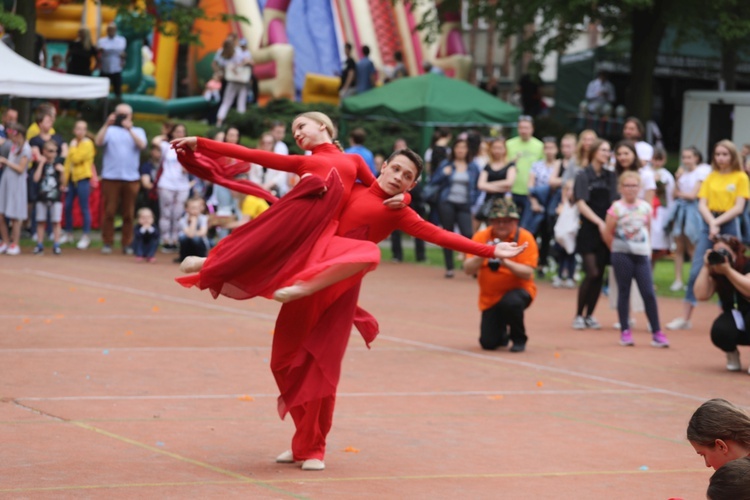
column 287, row 163
column 413, row 224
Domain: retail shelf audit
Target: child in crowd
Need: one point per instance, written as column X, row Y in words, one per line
column 57, row 60
column 684, row 220
column 47, row 177
column 193, row 230
column 148, row 195
column 567, row 213
column 719, row 432
column 79, row 179
column 212, row 90
column 731, row 481
column 13, row 189
column 627, row 235
column 662, row 203
column 146, row 236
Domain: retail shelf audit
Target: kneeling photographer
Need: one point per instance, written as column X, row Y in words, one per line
column 506, row 287
column 726, row 272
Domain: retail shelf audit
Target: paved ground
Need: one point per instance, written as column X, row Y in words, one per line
column 118, row 383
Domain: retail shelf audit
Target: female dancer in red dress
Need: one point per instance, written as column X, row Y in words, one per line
column 311, row 333
column 278, row 258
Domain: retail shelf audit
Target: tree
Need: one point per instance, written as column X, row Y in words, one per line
column 556, row 23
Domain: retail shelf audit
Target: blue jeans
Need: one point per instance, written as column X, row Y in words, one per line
column 732, row 227
column 523, row 206
column 145, row 245
column 82, row 190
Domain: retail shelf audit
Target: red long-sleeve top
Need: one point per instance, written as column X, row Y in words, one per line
column 365, row 208
column 324, row 157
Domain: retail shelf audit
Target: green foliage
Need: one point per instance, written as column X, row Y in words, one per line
column 380, row 134
column 170, row 18
column 12, row 22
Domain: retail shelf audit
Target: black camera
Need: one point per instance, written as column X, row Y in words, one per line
column 119, row 118
column 494, row 264
column 719, row 257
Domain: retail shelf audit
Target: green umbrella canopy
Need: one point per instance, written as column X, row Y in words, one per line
column 430, row 100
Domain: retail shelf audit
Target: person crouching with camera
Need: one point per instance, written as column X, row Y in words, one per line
column 726, row 272
column 506, row 286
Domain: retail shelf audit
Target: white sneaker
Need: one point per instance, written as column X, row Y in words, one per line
column 35, row 238
column 579, row 323
column 3, row 248
column 556, row 282
column 313, row 464
column 631, row 323
column 733, row 361
column 679, row 324
column 286, row 457
column 13, row 250
column 569, row 283
column 66, row 237
column 83, row 243
column 676, row 286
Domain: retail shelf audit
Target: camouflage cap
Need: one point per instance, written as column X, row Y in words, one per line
column 504, row 208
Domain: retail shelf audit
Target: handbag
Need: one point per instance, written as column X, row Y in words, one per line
column 238, row 73
column 431, row 193
column 566, row 228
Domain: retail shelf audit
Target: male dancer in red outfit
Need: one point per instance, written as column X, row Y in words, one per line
column 312, row 332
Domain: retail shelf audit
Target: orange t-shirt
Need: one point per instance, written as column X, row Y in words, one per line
column 494, row 284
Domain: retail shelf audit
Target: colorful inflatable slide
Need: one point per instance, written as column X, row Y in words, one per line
column 290, row 40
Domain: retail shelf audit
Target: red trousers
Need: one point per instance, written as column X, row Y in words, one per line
column 309, row 343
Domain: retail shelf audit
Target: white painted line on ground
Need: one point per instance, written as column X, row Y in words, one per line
column 424, row 345
column 544, row 392
column 552, row 369
column 142, row 293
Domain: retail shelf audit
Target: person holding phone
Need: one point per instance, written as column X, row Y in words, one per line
column 122, row 143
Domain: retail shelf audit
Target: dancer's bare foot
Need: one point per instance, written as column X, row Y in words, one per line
column 192, row 264
column 290, row 293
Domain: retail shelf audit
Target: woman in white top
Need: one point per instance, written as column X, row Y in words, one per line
column 173, row 184
column 237, row 64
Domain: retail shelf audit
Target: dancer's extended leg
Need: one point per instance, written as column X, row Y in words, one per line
column 332, row 275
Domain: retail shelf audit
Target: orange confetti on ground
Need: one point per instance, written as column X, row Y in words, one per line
column 539, row 384
column 101, row 300
column 245, row 397
column 59, row 316
column 129, row 332
column 351, row 449
column 496, row 397
column 48, row 321
column 557, row 354
column 19, row 327
column 72, row 289
column 26, row 320
column 155, row 309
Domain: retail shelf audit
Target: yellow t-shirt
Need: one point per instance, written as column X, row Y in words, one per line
column 721, row 190
column 252, row 206
column 80, row 161
column 33, row 131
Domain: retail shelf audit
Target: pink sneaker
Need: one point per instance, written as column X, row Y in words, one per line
column 151, row 260
column 139, row 259
column 626, row 338
column 659, row 340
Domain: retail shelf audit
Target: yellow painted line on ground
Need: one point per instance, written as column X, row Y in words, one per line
column 615, row 428
column 504, row 475
column 203, row 465
column 306, row 479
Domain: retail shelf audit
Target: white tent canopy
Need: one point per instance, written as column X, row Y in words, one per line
column 22, row 78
